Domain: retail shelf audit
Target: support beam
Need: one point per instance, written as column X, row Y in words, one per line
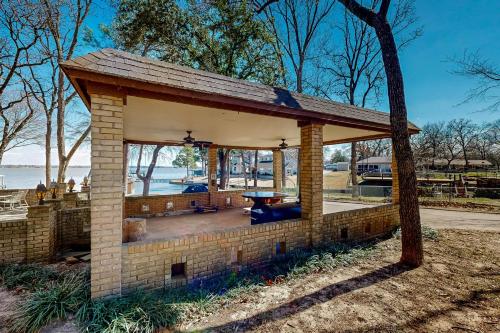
column 277, row 170
column 107, row 192
column 311, row 178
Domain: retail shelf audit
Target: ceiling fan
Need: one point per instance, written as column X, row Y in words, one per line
column 189, row 141
column 283, row 145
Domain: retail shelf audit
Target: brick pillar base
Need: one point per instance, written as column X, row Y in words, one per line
column 40, row 233
column 277, row 170
column 311, row 179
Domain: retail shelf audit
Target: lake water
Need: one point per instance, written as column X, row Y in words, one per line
column 29, row 177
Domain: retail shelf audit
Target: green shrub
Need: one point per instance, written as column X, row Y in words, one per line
column 30, row 276
column 139, row 312
column 56, row 301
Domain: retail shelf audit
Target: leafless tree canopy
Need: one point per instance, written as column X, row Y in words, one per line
column 457, row 139
column 20, row 22
column 486, row 76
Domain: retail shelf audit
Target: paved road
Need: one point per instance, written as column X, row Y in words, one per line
column 436, row 218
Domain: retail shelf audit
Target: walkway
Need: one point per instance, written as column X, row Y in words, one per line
column 437, row 218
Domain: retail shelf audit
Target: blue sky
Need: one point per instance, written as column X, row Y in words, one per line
column 432, row 92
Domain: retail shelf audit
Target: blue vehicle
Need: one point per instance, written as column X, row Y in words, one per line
column 195, row 189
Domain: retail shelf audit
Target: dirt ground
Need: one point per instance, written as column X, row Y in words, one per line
column 456, row 290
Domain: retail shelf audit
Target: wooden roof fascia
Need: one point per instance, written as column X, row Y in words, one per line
column 148, row 90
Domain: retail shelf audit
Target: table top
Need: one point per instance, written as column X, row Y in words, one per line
column 264, row 195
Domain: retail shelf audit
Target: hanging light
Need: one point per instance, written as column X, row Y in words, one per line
column 53, row 189
column 189, row 140
column 40, row 192
column 71, row 184
column 283, row 145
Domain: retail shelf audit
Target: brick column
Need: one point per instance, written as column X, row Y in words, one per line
column 69, row 199
column 106, row 195
column 395, row 179
column 212, row 169
column 40, row 233
column 311, row 178
column 277, row 170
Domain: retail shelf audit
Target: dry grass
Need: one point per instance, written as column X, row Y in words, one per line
column 456, row 290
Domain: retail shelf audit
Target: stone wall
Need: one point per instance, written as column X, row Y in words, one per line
column 175, row 262
column 149, row 264
column 13, row 240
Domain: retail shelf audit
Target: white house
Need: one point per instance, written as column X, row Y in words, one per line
column 374, row 164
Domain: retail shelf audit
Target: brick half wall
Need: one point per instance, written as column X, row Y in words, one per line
column 149, row 264
column 13, row 240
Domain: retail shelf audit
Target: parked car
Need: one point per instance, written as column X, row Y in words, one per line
column 195, row 189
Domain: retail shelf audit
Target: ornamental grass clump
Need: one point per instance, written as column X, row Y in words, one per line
column 58, row 299
column 28, row 276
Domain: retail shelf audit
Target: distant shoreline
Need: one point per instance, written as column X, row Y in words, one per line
column 73, row 166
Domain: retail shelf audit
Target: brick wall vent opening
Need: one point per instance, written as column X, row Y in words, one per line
column 178, row 271
column 368, row 228
column 344, row 233
column 280, row 247
column 193, row 203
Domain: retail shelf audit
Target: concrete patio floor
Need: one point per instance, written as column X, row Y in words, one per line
column 183, row 225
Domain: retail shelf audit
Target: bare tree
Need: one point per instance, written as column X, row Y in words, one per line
column 64, row 24
column 487, row 78
column 146, row 177
column 353, row 69
column 20, row 22
column 464, row 131
column 295, row 24
column 411, row 234
column 451, row 146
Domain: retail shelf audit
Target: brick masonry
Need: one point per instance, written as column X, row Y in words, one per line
column 311, row 178
column 13, row 240
column 41, row 233
column 107, row 194
column 148, row 264
column 44, row 231
column 277, row 169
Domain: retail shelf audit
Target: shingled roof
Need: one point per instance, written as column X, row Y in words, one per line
column 124, row 69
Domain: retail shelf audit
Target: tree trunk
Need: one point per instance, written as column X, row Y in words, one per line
column 48, row 146
column 61, row 144
column 244, row 169
column 411, row 234
column 256, row 167
column 354, row 175
column 146, row 179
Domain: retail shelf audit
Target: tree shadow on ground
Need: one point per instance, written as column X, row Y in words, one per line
column 472, row 300
column 307, row 301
